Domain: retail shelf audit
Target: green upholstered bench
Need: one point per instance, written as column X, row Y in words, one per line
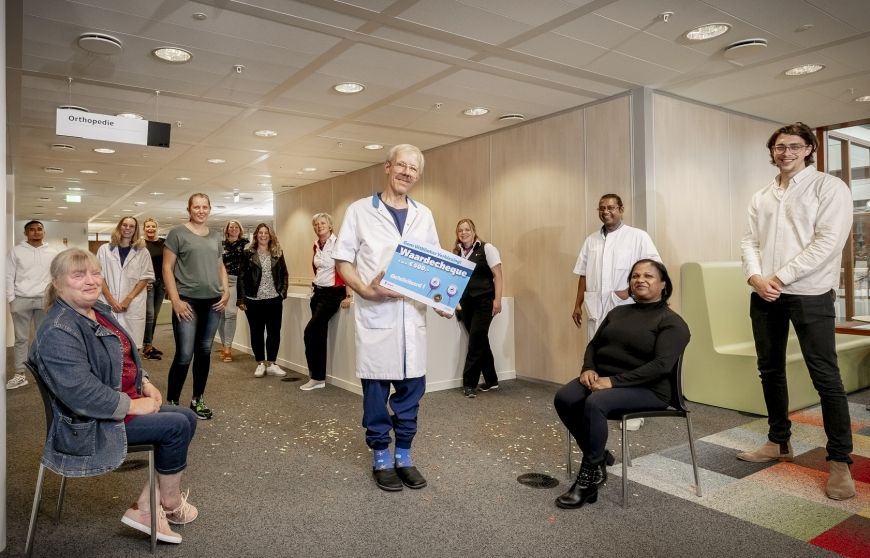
column 720, row 366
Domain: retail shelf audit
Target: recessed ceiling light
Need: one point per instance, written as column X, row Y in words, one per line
column 475, row 111
column 104, row 150
column 62, row 147
column 72, row 198
column 217, row 161
column 40, row 214
column 182, row 178
column 75, row 189
column 309, row 169
column 804, row 69
column 127, row 210
column 131, row 115
column 155, row 193
column 864, row 99
column 62, row 207
column 264, row 184
column 73, row 107
column 173, row 55
column 373, row 146
column 88, row 171
column 138, row 203
column 349, row 87
column 52, row 170
column 265, row 133
column 707, row 31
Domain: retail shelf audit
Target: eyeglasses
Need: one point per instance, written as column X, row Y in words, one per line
column 410, row 169
column 792, row 147
column 610, row 208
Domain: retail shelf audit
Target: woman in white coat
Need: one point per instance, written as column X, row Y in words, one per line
column 127, row 270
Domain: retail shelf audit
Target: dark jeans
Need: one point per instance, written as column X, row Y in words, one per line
column 813, row 319
column 156, row 294
column 585, row 413
column 193, row 340
column 476, row 317
column 405, row 402
column 170, row 430
column 324, row 305
column 265, row 315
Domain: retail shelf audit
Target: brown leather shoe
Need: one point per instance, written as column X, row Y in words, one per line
column 840, row 484
column 770, row 451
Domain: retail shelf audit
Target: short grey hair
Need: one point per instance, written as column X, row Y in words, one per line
column 326, row 216
column 403, row 148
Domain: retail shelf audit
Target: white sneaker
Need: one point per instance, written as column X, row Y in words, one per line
column 260, row 371
column 275, row 370
column 633, row 424
column 312, row 384
column 17, row 381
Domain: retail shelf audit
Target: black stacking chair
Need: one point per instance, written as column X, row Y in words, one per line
column 680, row 411
column 47, row 400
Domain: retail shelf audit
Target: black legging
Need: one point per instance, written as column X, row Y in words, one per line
column 476, row 317
column 324, row 305
column 585, row 413
column 265, row 315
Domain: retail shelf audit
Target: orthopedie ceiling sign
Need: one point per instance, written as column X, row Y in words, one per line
column 106, row 127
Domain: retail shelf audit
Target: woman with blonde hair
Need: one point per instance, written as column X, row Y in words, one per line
column 103, row 403
column 127, row 270
column 156, row 289
column 233, row 254
column 262, row 289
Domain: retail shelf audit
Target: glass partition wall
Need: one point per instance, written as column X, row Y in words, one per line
column 846, row 155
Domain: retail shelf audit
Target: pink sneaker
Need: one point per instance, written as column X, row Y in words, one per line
column 184, row 513
column 141, row 521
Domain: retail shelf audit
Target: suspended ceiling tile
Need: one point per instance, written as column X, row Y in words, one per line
column 624, row 67
column 561, row 49
column 557, row 77
column 315, row 96
column 534, row 13
column 368, row 64
column 386, row 136
column 423, row 42
column 465, row 21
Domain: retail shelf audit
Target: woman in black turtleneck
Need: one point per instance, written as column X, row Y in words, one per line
column 628, row 366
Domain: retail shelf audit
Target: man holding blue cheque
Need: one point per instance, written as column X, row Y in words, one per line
column 390, row 327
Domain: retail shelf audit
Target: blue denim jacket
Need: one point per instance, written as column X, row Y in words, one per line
column 80, row 362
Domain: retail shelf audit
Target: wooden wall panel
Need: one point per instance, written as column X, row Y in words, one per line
column 608, row 156
column 537, row 199
column 457, row 182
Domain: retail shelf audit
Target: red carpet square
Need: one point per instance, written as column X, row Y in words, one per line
column 849, row 538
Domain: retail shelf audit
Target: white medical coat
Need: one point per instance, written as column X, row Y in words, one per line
column 606, row 261
column 391, row 335
column 121, row 280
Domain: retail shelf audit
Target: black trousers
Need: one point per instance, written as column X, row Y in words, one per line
column 476, row 316
column 813, row 319
column 324, row 305
column 265, row 315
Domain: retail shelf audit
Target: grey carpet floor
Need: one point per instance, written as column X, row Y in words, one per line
column 281, row 472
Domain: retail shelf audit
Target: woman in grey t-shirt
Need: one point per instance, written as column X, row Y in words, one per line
column 197, row 285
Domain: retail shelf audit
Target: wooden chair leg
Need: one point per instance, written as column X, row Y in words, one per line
column 34, row 513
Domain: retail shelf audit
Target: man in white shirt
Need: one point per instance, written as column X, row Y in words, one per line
column 390, row 329
column 27, row 276
column 798, row 225
column 603, row 266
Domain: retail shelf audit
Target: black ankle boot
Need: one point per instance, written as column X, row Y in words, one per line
column 584, row 490
column 608, row 460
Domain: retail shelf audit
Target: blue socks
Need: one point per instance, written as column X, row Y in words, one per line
column 403, row 457
column 381, row 459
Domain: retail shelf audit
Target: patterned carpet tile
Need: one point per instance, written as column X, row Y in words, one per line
column 786, row 497
column 849, row 538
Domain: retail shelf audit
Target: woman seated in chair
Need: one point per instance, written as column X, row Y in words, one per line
column 628, row 366
column 103, row 401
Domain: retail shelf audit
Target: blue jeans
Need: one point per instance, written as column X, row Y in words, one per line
column 405, row 403
column 156, row 294
column 170, row 430
column 585, row 413
column 193, row 341
column 813, row 319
